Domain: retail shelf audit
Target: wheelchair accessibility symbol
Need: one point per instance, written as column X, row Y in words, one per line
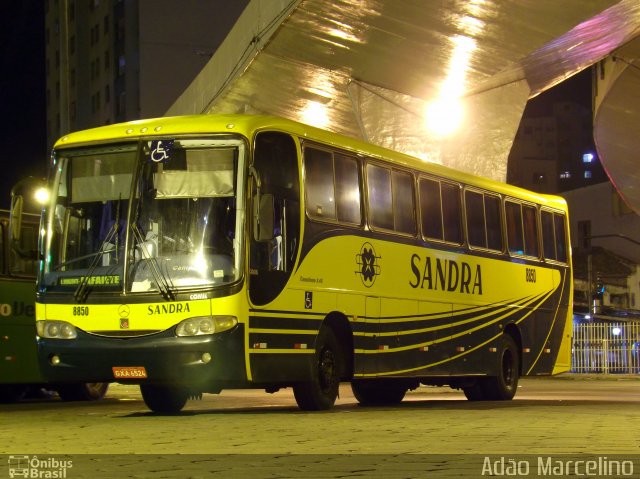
column 160, row 150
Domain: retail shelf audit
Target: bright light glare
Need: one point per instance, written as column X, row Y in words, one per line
column 444, row 115
column 41, row 195
column 315, row 114
column 616, row 331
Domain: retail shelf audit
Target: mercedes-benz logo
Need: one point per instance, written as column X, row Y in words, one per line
column 123, row 310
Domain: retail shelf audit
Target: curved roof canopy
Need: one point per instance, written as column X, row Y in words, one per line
column 446, row 81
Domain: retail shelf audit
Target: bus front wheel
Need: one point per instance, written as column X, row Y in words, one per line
column 378, row 392
column 321, row 391
column 163, row 398
column 10, row 393
column 82, row 391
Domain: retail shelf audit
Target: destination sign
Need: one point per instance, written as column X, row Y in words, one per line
column 103, row 280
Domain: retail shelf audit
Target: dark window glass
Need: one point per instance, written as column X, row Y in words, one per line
column 530, row 231
column 452, row 213
column 347, row 189
column 475, row 219
column 380, row 198
column 548, row 239
column 318, row 166
column 514, row 228
column 2, row 251
column 561, row 238
column 494, row 222
column 404, row 203
column 431, row 209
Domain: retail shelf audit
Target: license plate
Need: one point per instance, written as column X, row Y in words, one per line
column 129, row 372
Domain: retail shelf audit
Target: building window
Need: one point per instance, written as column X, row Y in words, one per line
column 539, row 178
column 565, row 175
column 584, row 234
column 588, row 158
column 587, row 174
column 121, row 65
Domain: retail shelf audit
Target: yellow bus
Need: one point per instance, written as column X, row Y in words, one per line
column 194, row 254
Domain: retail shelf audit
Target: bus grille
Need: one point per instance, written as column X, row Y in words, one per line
column 124, row 334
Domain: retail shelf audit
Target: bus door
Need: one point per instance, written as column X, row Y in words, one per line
column 275, row 234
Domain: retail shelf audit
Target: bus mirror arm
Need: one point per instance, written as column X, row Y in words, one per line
column 16, row 217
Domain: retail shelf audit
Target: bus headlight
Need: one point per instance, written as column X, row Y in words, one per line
column 205, row 325
column 56, row 330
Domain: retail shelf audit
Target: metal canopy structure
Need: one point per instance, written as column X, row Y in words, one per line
column 444, row 80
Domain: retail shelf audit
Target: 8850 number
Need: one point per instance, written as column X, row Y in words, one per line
column 81, row 310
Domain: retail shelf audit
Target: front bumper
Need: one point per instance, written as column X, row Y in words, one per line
column 166, row 358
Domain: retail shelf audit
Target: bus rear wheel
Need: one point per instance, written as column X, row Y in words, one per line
column 378, row 392
column 502, row 387
column 321, row 391
column 82, row 391
column 163, row 398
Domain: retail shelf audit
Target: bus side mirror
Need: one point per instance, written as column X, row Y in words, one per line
column 263, row 217
column 16, row 217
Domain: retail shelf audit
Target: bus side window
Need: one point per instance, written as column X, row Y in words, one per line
column 380, row 197
column 24, row 252
column 476, row 230
column 452, row 213
column 431, row 209
column 404, row 207
column 319, row 174
column 529, row 216
column 514, row 227
column 492, row 208
column 561, row 237
column 347, row 176
column 548, row 236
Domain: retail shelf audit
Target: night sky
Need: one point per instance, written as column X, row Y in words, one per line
column 22, row 90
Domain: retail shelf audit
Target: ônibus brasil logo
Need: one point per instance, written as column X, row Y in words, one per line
column 35, row 467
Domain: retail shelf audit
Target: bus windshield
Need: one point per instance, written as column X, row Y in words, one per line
column 156, row 216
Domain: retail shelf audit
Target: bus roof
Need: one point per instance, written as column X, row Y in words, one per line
column 248, row 125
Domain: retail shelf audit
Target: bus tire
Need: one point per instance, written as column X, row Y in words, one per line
column 378, row 392
column 10, row 393
column 163, row 398
column 504, row 386
column 321, row 391
column 474, row 392
column 82, row 391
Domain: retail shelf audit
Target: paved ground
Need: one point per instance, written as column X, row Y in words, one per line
column 548, row 417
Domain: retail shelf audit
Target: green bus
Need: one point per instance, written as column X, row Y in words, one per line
column 19, row 370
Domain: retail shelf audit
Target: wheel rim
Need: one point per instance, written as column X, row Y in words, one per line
column 326, row 369
column 95, row 387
